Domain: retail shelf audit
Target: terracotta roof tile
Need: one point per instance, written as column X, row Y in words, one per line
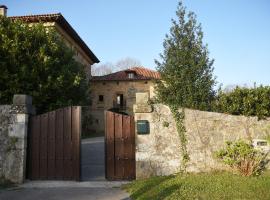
column 140, row 73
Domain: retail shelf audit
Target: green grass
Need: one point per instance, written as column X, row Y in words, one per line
column 218, row 185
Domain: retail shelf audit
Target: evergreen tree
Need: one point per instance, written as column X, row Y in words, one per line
column 34, row 60
column 186, row 70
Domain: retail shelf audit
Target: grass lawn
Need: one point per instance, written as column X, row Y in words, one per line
column 218, row 185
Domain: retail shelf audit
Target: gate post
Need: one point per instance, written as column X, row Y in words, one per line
column 21, row 109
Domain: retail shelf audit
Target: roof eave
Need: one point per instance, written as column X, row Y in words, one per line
column 62, row 22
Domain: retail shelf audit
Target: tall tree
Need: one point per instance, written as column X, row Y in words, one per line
column 186, row 70
column 34, row 60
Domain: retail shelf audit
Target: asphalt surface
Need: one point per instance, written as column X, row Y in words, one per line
column 64, row 194
column 92, row 160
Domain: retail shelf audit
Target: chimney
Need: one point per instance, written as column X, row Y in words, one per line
column 3, row 10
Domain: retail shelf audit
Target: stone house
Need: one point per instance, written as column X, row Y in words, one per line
column 117, row 91
column 83, row 54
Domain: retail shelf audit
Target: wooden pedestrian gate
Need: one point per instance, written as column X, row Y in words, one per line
column 54, row 145
column 119, row 146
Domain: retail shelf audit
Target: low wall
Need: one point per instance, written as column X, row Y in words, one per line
column 13, row 138
column 158, row 153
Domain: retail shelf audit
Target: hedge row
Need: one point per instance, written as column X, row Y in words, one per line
column 244, row 101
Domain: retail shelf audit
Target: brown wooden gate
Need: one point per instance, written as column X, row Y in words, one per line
column 54, row 145
column 120, row 146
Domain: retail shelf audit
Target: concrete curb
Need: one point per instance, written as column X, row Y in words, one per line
column 73, row 184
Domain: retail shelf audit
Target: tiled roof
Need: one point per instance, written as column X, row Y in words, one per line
column 140, row 73
column 62, row 22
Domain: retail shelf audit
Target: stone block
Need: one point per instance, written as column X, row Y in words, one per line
column 22, row 118
column 22, row 99
column 18, row 130
column 142, row 108
column 21, row 144
column 142, row 98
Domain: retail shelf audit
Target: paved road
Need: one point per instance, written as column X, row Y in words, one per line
column 92, row 160
column 93, row 185
column 64, row 194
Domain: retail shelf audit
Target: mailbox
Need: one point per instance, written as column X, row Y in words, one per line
column 143, row 127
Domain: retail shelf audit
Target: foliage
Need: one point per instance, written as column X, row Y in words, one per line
column 243, row 157
column 179, row 117
column 185, row 68
column 35, row 61
column 244, row 101
column 186, row 71
column 218, row 185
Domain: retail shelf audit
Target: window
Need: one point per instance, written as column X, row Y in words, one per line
column 120, row 99
column 100, row 98
column 130, row 75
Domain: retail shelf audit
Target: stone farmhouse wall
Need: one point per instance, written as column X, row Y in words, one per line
column 158, row 153
column 109, row 90
column 13, row 138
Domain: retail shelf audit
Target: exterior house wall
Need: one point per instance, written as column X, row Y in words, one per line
column 80, row 56
column 109, row 90
column 159, row 153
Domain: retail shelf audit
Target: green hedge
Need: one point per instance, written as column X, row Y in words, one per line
column 244, row 101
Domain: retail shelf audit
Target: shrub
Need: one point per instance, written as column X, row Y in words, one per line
column 244, row 101
column 242, row 157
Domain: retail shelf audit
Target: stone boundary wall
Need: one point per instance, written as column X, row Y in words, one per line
column 158, row 153
column 13, row 138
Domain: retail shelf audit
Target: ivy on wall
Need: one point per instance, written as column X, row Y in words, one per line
column 179, row 117
column 186, row 71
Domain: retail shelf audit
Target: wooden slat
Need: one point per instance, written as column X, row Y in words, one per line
column 59, row 144
column 76, row 141
column 119, row 147
column 127, row 147
column 54, row 139
column 35, row 134
column 67, row 144
column 43, row 146
column 109, row 145
column 51, row 146
column 133, row 149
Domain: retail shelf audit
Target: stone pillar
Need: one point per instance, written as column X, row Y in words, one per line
column 16, row 158
column 142, row 103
